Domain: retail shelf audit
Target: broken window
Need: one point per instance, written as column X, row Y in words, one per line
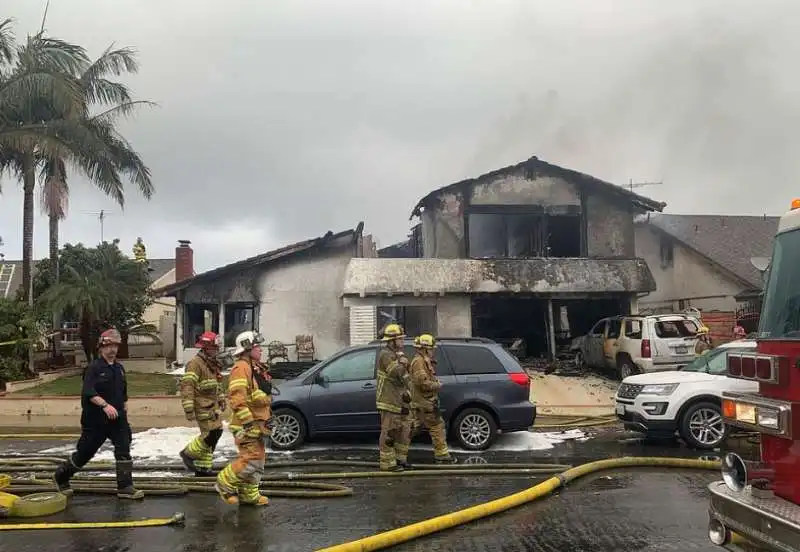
column 415, row 320
column 239, row 317
column 521, row 235
column 666, row 252
column 676, row 328
column 199, row 318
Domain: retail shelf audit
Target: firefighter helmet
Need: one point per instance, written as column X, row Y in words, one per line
column 109, row 337
column 702, row 330
column 245, row 341
column 424, row 341
column 393, row 331
column 207, row 340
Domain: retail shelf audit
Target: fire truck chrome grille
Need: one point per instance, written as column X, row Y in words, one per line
column 772, row 521
column 629, row 390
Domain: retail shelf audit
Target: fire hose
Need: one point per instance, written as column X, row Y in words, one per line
column 35, row 473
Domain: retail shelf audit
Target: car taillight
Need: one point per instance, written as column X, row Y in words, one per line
column 646, row 352
column 520, row 378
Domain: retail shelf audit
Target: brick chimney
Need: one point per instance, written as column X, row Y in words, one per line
column 184, row 260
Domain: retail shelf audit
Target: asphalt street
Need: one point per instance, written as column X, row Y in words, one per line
column 631, row 510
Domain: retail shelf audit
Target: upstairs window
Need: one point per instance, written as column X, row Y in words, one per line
column 507, row 234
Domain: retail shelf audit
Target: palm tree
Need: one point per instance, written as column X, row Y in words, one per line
column 96, row 90
column 51, row 127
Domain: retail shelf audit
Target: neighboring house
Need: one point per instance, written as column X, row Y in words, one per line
column 291, row 291
column 532, row 251
column 703, row 261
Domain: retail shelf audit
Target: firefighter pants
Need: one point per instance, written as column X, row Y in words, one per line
column 94, row 436
column 433, row 422
column 201, row 448
column 242, row 477
column 394, row 439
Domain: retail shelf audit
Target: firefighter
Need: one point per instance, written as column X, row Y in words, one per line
column 393, row 400
column 703, row 344
column 250, row 397
column 203, row 401
column 425, row 388
column 104, row 399
column 139, row 251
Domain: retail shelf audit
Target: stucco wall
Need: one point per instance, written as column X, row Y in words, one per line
column 304, row 297
column 691, row 277
column 609, row 227
column 609, row 222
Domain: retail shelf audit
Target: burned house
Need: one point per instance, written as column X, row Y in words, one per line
column 531, row 251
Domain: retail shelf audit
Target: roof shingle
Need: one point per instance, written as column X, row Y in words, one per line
column 730, row 241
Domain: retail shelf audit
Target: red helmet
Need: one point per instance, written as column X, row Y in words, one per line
column 109, row 337
column 206, row 340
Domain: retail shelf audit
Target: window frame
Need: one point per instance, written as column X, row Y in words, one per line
column 239, row 305
column 188, row 340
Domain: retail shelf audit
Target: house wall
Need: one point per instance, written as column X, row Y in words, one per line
column 690, row 278
column 609, row 223
column 304, row 297
column 300, row 295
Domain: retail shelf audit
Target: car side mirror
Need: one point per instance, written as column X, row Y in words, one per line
column 319, row 379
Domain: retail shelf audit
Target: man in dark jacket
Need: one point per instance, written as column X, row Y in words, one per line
column 104, row 416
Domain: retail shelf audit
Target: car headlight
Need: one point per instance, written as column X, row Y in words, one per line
column 659, row 389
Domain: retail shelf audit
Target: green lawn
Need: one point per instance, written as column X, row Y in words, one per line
column 139, row 385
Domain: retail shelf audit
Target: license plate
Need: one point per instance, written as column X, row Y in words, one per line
column 621, row 409
column 681, row 350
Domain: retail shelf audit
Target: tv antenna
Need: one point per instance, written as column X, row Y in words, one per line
column 631, row 184
column 101, row 216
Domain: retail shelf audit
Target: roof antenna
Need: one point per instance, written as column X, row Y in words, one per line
column 44, row 16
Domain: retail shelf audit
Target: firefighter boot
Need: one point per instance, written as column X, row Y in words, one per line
column 445, row 460
column 251, row 496
column 63, row 474
column 188, row 461
column 125, row 488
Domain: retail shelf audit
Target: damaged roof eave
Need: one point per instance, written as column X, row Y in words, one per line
column 467, row 276
column 265, row 258
column 640, row 202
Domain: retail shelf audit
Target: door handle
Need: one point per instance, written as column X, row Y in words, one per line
column 368, row 386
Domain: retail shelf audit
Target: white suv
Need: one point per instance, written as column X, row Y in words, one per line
column 687, row 401
column 638, row 344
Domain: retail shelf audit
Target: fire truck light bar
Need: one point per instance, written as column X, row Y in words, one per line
column 758, row 414
column 754, row 367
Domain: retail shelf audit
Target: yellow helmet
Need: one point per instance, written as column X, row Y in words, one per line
column 424, row 341
column 702, row 330
column 393, row 331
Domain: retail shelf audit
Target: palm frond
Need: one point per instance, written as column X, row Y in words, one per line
column 100, row 90
column 7, row 41
column 122, row 110
column 53, row 53
column 21, row 89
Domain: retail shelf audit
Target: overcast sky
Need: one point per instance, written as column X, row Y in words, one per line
column 280, row 120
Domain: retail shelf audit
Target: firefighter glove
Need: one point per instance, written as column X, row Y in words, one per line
column 404, row 410
column 252, row 430
column 406, row 397
column 190, row 415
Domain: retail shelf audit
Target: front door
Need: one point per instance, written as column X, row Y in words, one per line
column 343, row 398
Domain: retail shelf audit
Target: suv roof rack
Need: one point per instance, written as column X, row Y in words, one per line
column 458, row 339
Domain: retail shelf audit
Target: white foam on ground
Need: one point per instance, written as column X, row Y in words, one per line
column 163, row 445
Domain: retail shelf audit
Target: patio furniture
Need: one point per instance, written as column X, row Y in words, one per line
column 305, row 347
column 275, row 350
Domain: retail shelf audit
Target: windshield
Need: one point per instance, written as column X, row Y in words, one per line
column 713, row 362
column 780, row 315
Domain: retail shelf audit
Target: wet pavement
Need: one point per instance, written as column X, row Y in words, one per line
column 630, row 510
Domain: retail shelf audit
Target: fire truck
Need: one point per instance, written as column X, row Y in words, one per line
column 761, row 500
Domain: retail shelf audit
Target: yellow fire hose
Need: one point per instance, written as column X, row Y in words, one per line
column 461, row 517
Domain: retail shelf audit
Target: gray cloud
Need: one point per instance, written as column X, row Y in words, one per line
column 281, row 120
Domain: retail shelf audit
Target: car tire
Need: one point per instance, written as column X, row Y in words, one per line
column 625, row 368
column 289, row 431
column 701, row 426
column 474, row 429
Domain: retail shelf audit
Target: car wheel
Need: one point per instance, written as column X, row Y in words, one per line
column 580, row 361
column 288, row 430
column 625, row 368
column 702, row 427
column 475, row 429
